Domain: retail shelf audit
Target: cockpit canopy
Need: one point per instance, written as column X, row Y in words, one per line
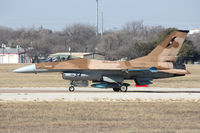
column 59, row 58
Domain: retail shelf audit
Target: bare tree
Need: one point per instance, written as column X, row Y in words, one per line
column 133, row 40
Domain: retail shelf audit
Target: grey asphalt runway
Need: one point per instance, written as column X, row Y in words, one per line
column 93, row 94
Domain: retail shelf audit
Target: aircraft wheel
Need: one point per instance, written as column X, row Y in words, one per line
column 71, row 88
column 123, row 88
column 116, row 89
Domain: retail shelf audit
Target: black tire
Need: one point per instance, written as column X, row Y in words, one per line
column 71, row 88
column 116, row 89
column 123, row 88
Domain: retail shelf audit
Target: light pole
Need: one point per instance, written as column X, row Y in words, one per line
column 101, row 24
column 3, row 46
column 70, row 51
column 18, row 54
column 97, row 15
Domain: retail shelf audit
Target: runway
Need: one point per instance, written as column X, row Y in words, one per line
column 101, row 95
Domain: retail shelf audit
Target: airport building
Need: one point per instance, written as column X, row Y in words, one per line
column 97, row 56
column 87, row 55
column 13, row 55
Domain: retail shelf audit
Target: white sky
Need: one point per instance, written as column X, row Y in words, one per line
column 56, row 14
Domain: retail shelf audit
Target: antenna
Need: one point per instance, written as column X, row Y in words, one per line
column 102, row 24
column 97, row 15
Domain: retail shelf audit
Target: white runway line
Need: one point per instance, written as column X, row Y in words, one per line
column 96, row 89
column 81, row 94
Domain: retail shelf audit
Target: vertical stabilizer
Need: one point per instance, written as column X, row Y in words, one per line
column 167, row 50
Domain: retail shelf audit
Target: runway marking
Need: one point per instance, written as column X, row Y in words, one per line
column 79, row 91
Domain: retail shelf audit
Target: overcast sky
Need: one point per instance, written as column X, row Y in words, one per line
column 56, row 14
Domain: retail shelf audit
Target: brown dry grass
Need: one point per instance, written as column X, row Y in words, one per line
column 52, row 117
column 9, row 79
column 45, row 117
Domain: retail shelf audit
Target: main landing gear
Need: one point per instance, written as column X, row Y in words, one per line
column 122, row 88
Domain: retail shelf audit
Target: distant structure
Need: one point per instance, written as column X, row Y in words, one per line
column 194, row 31
column 87, row 55
column 97, row 56
column 13, row 55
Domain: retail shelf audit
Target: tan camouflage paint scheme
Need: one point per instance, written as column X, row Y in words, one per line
column 161, row 58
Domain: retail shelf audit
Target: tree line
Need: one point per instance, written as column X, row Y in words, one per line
column 131, row 41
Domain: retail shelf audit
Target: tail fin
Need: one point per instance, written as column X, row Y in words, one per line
column 167, row 50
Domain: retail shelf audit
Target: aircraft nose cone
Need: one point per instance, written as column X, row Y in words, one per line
column 26, row 69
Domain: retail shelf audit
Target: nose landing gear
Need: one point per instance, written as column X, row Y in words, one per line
column 72, row 88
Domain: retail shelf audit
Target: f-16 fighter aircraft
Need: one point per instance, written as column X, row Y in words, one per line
column 159, row 63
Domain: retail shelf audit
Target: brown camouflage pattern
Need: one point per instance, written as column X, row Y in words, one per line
column 161, row 58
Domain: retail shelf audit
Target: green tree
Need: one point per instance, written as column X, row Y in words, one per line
column 188, row 50
column 146, row 48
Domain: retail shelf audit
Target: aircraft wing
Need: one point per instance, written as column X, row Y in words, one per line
column 176, row 71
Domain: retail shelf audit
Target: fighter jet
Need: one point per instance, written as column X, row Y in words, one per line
column 159, row 63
